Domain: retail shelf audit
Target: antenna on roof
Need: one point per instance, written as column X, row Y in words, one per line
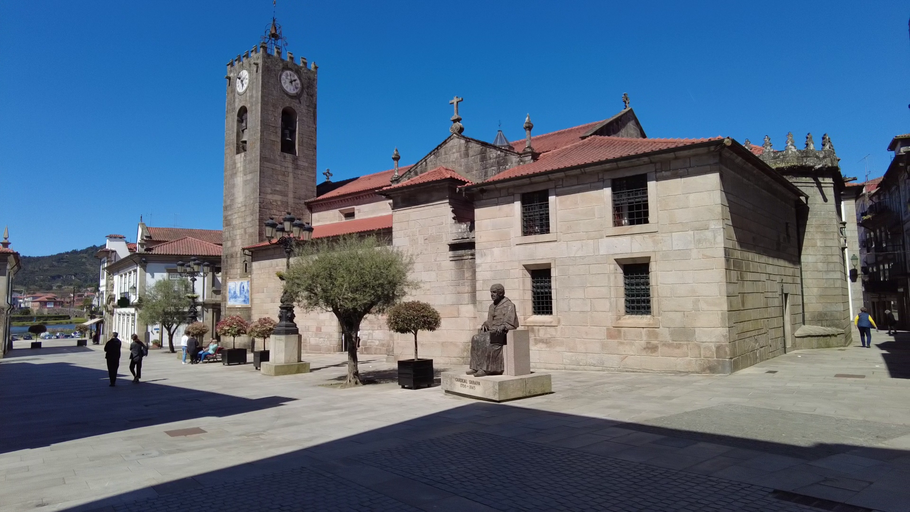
column 865, row 161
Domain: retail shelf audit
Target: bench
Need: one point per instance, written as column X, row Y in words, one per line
column 216, row 357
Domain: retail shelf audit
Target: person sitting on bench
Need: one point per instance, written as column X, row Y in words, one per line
column 210, row 351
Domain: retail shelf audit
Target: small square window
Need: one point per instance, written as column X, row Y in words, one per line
column 636, row 280
column 535, row 213
column 541, row 292
column 348, row 215
column 630, row 200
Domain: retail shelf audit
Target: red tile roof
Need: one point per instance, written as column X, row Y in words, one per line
column 362, row 184
column 115, row 236
column 187, row 246
column 212, row 236
column 131, row 247
column 346, row 227
column 438, row 174
column 6, row 250
column 554, row 140
column 592, row 150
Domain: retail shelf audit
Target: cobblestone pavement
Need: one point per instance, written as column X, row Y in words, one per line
column 512, row 475
column 295, row 489
column 810, row 430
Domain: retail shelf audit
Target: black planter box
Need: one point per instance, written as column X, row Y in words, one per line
column 81, row 343
column 36, row 344
column 259, row 357
column 415, row 373
column 233, row 356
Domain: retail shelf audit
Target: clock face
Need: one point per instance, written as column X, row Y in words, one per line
column 290, row 82
column 243, row 80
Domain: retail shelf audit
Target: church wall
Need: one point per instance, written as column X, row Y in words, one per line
column 762, row 264
column 473, row 159
column 683, row 244
column 363, row 206
column 446, row 279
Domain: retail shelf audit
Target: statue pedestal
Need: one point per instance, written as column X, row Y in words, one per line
column 284, row 356
column 517, row 353
column 497, row 388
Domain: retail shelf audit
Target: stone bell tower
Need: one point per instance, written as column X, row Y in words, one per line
column 269, row 154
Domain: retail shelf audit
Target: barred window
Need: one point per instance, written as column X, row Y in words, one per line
column 541, row 292
column 637, row 286
column 535, row 213
column 630, row 200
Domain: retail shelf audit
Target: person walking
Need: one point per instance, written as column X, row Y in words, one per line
column 138, row 350
column 112, row 356
column 889, row 322
column 864, row 323
column 183, row 340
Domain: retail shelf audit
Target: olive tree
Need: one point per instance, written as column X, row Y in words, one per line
column 411, row 317
column 351, row 277
column 165, row 303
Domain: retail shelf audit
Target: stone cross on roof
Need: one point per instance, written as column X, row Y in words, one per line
column 456, row 119
column 625, row 100
column 328, row 175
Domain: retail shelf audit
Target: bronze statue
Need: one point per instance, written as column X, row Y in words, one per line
column 486, row 347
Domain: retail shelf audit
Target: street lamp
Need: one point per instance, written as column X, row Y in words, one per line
column 287, row 234
column 191, row 270
column 854, row 273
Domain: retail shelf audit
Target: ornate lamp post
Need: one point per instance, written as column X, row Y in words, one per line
column 194, row 268
column 287, row 234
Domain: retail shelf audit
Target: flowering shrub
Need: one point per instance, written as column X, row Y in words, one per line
column 197, row 330
column 262, row 328
column 232, row 326
column 413, row 316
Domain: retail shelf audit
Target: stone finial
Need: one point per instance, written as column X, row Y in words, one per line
column 395, row 158
column 528, row 126
column 328, row 175
column 791, row 146
column 826, row 143
column 766, row 146
column 456, row 128
column 747, row 145
column 5, row 242
column 625, row 100
column 810, row 144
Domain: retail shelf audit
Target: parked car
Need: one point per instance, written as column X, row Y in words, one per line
column 27, row 337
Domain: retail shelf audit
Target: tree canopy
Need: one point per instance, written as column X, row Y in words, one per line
column 232, row 326
column 262, row 328
column 351, row 277
column 411, row 317
column 166, row 304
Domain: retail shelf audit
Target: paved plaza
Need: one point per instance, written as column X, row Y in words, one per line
column 811, row 430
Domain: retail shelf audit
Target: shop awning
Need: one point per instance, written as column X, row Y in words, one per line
column 90, row 322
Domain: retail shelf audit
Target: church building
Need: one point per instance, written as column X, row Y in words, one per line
column 620, row 251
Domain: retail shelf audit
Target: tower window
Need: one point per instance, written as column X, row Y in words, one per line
column 535, row 213
column 289, row 131
column 630, row 200
column 241, row 130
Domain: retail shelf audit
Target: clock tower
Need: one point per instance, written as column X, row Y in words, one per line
column 269, row 154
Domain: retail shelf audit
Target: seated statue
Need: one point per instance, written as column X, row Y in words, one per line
column 486, row 347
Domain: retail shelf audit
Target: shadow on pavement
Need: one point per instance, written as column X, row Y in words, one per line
column 89, row 407
column 896, row 355
column 484, row 456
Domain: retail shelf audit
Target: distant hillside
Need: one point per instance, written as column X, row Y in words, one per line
column 57, row 270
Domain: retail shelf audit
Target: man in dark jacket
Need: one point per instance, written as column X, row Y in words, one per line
column 889, row 322
column 112, row 355
column 138, row 350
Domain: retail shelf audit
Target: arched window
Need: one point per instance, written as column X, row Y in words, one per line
column 241, row 130
column 289, row 131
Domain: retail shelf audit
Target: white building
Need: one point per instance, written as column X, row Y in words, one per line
column 127, row 270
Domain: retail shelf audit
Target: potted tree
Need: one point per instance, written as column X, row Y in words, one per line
column 262, row 328
column 37, row 329
column 409, row 318
column 82, row 341
column 233, row 326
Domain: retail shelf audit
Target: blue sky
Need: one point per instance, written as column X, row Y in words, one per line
column 112, row 110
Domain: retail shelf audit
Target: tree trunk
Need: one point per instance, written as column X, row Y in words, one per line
column 252, row 344
column 170, row 340
column 415, row 345
column 349, row 329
